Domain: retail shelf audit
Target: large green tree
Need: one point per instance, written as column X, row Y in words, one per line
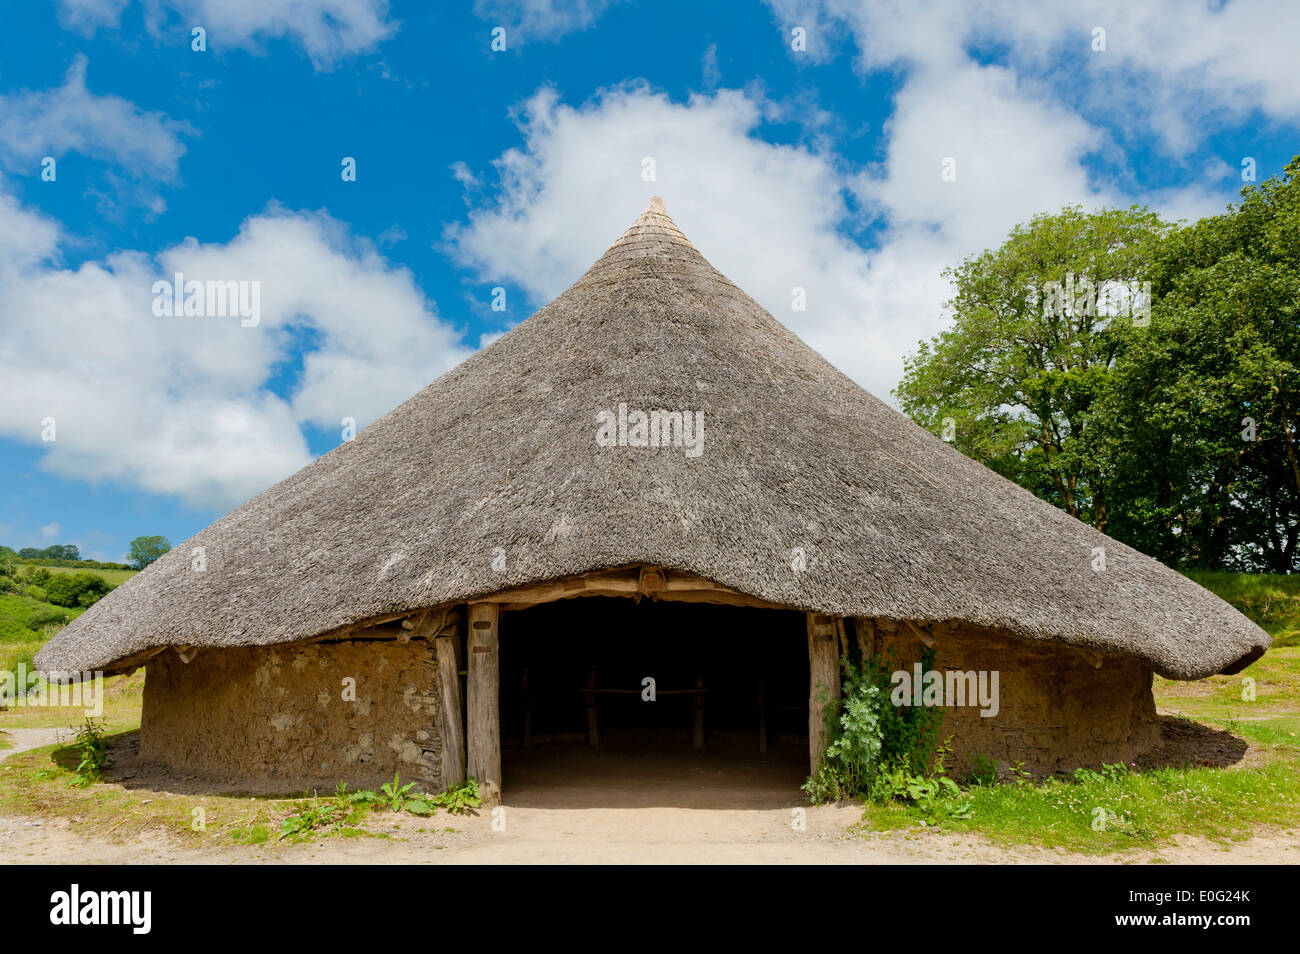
column 1202, row 422
column 144, row 550
column 1015, row 381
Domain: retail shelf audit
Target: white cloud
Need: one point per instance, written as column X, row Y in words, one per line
column 540, row 19
column 182, row 406
column 70, row 118
column 1028, row 134
column 1175, row 68
column 50, row 531
column 328, row 30
column 771, row 216
column 89, row 14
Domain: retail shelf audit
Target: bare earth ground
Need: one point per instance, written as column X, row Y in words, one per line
column 574, row 806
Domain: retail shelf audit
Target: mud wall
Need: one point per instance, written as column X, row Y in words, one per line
column 282, row 719
column 1056, row 711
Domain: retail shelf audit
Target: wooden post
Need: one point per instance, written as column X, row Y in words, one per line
column 865, row 630
column 484, row 709
column 823, row 683
column 593, row 711
column 697, row 714
column 453, row 723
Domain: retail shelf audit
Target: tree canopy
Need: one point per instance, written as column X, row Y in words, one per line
column 144, row 550
column 1164, row 412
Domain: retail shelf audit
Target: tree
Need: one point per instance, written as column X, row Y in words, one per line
column 1015, row 381
column 8, row 570
column 1202, row 422
column 144, row 550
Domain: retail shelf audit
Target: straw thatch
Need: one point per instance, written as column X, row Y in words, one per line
column 497, row 463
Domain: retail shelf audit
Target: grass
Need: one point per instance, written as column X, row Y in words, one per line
column 26, row 624
column 114, row 577
column 1146, row 809
column 1141, row 809
column 25, row 619
column 123, row 698
column 1271, row 600
column 43, row 783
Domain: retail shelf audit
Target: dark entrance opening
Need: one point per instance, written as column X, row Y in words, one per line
column 608, row 702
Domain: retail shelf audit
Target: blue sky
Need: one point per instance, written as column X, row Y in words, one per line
column 815, row 168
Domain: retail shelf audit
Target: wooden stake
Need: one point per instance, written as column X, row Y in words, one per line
column 484, row 709
column 453, row 722
column 823, row 683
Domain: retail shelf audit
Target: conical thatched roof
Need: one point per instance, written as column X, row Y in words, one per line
column 498, row 460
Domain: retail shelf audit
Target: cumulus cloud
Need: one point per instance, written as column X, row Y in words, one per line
column 771, row 217
column 328, row 30
column 1026, row 131
column 541, row 19
column 70, row 118
column 185, row 406
column 1168, row 67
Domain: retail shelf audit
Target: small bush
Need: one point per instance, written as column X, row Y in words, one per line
column 93, row 749
column 75, row 589
column 460, row 799
column 871, row 739
column 41, row 617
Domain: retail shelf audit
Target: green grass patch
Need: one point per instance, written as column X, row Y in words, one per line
column 24, row 618
column 113, row 577
column 1271, row 600
column 1134, row 810
column 44, row 783
column 123, row 699
column 1273, row 680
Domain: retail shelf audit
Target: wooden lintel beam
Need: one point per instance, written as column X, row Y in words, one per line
column 925, row 637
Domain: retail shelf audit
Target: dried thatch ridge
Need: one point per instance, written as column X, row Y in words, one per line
column 501, row 452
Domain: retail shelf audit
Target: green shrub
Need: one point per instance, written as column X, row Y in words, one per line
column 37, row 576
column 41, row 617
column 74, row 589
column 93, row 749
column 872, row 741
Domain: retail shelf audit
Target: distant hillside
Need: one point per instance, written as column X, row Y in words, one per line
column 29, row 615
column 1269, row 599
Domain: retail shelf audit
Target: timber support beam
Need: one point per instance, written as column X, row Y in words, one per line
column 483, row 710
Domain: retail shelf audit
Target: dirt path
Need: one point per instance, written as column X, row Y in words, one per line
column 574, row 806
column 23, row 740
column 636, row 836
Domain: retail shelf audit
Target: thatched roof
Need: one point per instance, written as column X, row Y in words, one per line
column 498, row 460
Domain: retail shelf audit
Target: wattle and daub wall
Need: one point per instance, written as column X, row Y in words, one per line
column 1056, row 710
column 280, row 718
column 283, row 717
